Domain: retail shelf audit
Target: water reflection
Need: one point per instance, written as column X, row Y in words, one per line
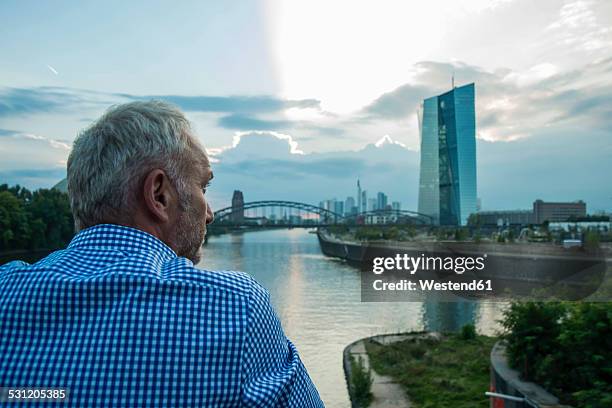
column 318, row 301
column 448, row 316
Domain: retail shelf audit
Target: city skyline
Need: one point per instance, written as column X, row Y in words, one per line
column 360, row 203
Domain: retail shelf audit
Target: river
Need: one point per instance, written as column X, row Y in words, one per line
column 318, row 301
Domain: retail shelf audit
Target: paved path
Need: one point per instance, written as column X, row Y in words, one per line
column 386, row 392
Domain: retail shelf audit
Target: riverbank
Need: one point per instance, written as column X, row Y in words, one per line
column 425, row 369
column 530, row 271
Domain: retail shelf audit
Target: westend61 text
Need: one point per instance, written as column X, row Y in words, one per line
column 475, row 285
column 403, row 262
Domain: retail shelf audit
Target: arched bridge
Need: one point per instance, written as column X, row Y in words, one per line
column 295, row 214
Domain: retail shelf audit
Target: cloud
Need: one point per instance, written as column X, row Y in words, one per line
column 511, row 104
column 18, row 101
column 7, row 132
column 34, row 177
column 249, row 123
column 260, row 144
column 243, row 122
column 431, row 78
column 234, row 104
column 57, row 144
column 21, row 101
column 292, row 170
column 386, row 139
column 399, row 103
column 262, row 165
column 578, row 27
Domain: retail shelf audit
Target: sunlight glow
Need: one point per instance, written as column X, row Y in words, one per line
column 346, row 52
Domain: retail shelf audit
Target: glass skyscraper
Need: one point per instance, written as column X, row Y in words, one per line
column 447, row 183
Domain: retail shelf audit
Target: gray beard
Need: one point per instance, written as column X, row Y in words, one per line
column 190, row 234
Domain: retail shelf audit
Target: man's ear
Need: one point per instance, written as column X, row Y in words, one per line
column 157, row 194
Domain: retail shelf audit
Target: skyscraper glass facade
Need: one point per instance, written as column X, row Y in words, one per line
column 447, row 183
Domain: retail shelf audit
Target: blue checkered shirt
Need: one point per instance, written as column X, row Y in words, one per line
column 119, row 319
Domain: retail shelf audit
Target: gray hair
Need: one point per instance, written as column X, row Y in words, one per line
column 110, row 159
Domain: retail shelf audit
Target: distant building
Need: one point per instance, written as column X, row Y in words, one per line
column 330, row 205
column 381, row 218
column 338, row 207
column 542, row 211
column 506, row 218
column 364, row 201
column 381, row 201
column 396, row 206
column 557, row 212
column 359, row 198
column 447, row 181
column 349, row 206
column 581, row 226
column 295, row 219
column 372, row 204
column 237, row 206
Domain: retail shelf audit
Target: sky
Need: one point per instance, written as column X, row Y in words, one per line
column 295, row 100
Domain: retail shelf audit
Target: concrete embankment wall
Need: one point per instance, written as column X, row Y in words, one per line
column 505, row 380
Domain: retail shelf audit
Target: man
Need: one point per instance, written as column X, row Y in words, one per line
column 121, row 317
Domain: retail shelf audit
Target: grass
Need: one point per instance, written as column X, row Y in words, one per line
column 450, row 373
column 361, row 383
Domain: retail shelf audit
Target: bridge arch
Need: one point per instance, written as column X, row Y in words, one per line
column 229, row 215
column 233, row 216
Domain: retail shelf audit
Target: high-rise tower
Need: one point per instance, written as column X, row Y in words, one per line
column 447, row 183
column 358, row 196
column 237, row 206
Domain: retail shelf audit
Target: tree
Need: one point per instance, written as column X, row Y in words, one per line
column 565, row 347
column 53, row 209
column 34, row 220
column 14, row 227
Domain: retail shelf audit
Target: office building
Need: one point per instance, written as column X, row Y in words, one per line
column 339, row 207
column 364, row 201
column 372, row 204
column 447, row 182
column 506, row 218
column 381, row 201
column 359, row 205
column 237, row 206
column 349, row 206
column 557, row 212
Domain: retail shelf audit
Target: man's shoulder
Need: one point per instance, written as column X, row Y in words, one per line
column 12, row 265
column 227, row 281
column 177, row 271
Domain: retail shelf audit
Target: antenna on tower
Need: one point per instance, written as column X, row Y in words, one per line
column 453, row 80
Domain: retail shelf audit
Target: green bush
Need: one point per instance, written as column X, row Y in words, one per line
column 591, row 240
column 361, row 382
column 468, row 332
column 565, row 347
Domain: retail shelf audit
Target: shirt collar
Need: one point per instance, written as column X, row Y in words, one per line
column 122, row 238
